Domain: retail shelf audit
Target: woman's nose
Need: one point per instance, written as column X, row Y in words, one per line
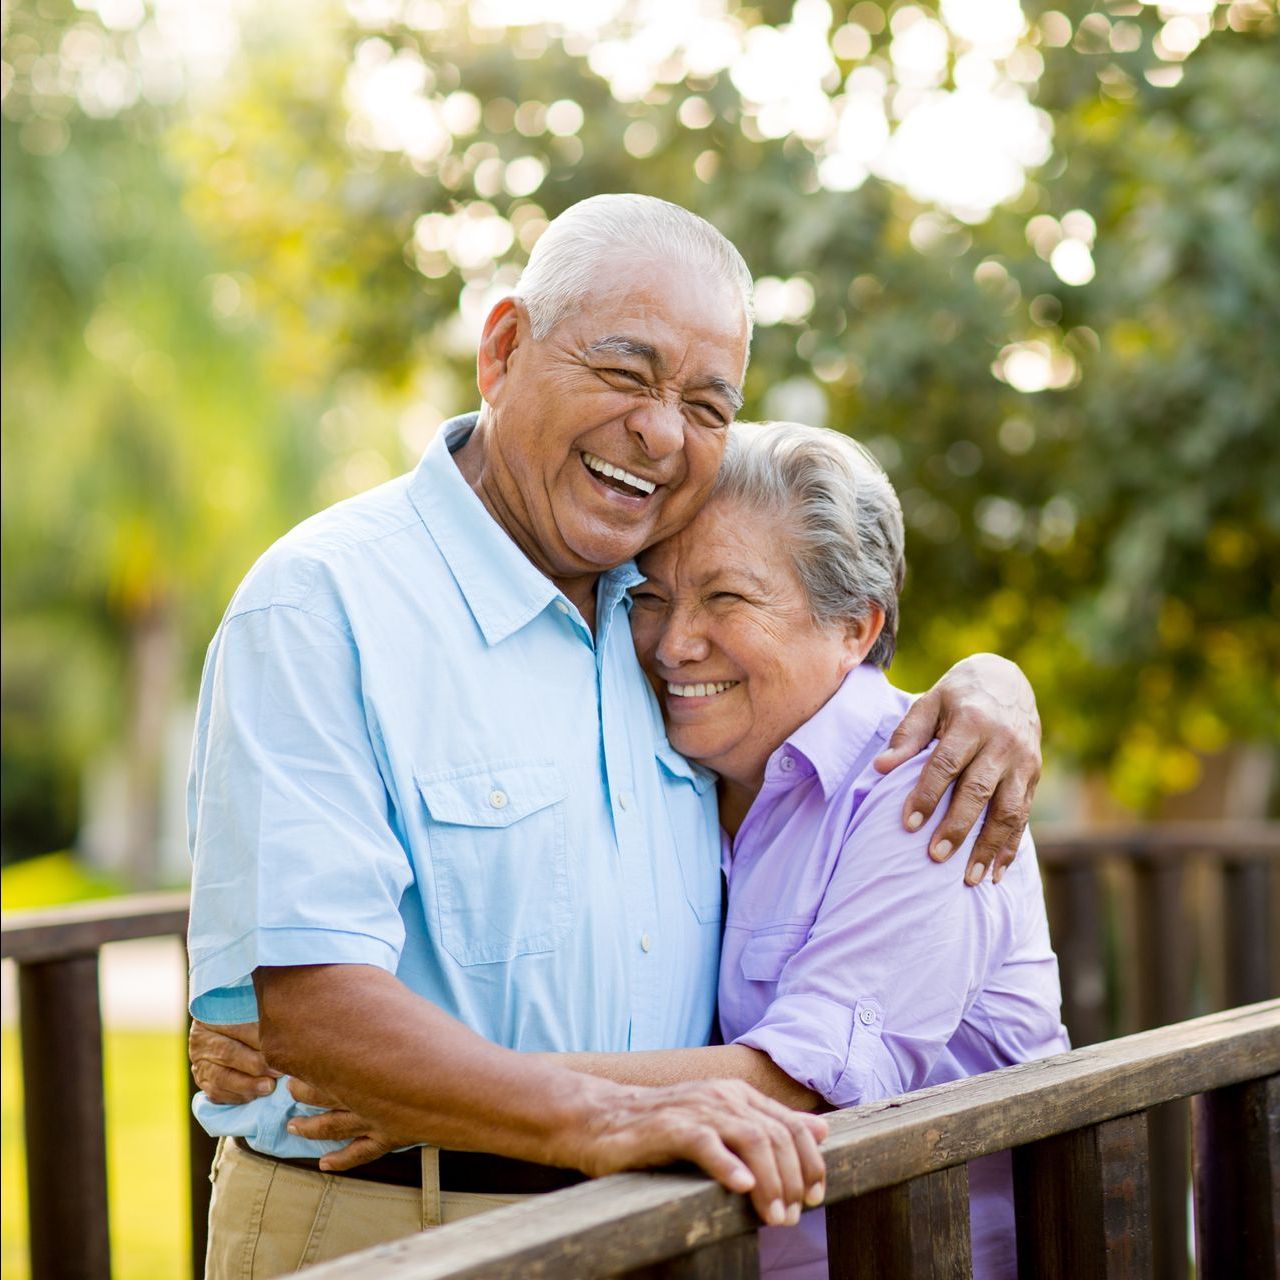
column 682, row 641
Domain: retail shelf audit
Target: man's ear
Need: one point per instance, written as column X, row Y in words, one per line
column 505, row 328
column 859, row 636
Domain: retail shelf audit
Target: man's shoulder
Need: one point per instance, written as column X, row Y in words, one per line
column 318, row 562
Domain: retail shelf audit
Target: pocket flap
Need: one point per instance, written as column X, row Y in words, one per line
column 491, row 795
column 766, row 954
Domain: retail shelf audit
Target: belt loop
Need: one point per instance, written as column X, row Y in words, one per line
column 431, row 1209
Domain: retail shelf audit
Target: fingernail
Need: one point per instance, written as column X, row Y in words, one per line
column 974, row 874
column 742, row 1181
column 274, row 1074
column 793, row 1215
column 264, row 1087
column 292, row 1126
column 815, row 1195
column 915, row 821
column 942, row 850
column 777, row 1214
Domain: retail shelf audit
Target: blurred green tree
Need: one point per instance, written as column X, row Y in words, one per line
column 1076, row 391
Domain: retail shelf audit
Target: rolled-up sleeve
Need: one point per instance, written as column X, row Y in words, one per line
column 295, row 857
column 896, row 954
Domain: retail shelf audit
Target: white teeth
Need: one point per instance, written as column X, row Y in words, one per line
column 608, row 469
column 700, row 690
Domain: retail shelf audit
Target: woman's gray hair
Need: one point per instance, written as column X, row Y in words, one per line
column 840, row 511
column 590, row 240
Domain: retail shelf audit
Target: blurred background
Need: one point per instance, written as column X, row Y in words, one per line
column 1030, row 254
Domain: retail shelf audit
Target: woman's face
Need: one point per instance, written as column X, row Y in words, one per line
column 724, row 632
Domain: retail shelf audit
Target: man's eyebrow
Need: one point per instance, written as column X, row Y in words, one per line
column 726, row 389
column 622, row 346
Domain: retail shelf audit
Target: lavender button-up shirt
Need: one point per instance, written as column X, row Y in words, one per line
column 864, row 970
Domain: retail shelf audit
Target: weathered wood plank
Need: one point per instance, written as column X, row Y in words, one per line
column 918, row 1230
column 737, row 1258
column 64, row 1119
column 30, row 936
column 1237, row 1181
column 1083, row 1204
column 661, row 1215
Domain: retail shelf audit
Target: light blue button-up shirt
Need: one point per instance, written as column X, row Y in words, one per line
column 412, row 753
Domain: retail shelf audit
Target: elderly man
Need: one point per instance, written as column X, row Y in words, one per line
column 434, row 815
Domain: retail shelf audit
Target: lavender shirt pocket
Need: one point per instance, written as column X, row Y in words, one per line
column 765, row 954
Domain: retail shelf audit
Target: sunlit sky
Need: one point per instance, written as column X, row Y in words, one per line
column 949, row 116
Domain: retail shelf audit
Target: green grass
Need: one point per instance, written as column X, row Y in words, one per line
column 146, row 1156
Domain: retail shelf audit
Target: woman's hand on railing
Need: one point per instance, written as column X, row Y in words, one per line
column 227, row 1062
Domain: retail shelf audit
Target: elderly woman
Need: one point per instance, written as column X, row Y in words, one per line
column 846, row 975
column 852, row 968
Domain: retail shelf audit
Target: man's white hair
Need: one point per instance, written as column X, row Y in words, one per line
column 590, row 240
column 837, row 512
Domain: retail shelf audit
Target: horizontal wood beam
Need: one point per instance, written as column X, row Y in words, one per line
column 52, row 934
column 661, row 1215
column 1219, row 840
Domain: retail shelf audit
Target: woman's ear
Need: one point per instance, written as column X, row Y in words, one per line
column 505, row 328
column 859, row 636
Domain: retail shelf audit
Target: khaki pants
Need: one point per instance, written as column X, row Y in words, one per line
column 268, row 1219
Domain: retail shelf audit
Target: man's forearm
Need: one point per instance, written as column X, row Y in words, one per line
column 673, row 1066
column 363, row 1036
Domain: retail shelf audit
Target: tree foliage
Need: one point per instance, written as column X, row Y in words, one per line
column 265, row 295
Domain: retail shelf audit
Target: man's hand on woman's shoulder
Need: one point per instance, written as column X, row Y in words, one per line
column 983, row 713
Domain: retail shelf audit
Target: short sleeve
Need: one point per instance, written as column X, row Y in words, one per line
column 898, row 951
column 295, row 858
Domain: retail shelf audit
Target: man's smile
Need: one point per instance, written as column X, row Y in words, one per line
column 618, row 478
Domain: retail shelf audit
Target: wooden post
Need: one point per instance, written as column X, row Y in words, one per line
column 1083, row 1204
column 1246, row 906
column 64, row 1119
column 737, row 1258
column 918, row 1230
column 1075, row 925
column 1164, row 997
column 1237, row 1181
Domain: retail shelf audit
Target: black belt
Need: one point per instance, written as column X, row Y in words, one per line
column 474, row 1171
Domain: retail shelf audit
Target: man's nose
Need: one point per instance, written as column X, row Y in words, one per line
column 682, row 640
column 659, row 427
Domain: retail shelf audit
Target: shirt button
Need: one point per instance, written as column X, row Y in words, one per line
column 624, row 800
column 786, row 764
column 498, row 799
column 562, row 606
column 867, row 1017
column 646, row 942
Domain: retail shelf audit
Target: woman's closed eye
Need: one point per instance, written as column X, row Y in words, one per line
column 647, row 599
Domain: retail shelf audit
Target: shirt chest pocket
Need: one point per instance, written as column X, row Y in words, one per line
column 765, row 955
column 499, row 859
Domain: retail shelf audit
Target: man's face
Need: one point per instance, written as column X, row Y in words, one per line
column 605, row 436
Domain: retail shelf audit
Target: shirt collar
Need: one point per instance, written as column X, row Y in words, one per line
column 503, row 590
column 838, row 734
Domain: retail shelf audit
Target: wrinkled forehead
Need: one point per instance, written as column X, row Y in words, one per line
column 669, row 307
column 726, row 534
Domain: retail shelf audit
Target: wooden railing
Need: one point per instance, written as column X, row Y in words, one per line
column 63, row 1107
column 1151, row 927
column 897, row 1186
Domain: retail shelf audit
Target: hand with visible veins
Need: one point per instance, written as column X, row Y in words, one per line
column 748, row 1142
column 227, row 1062
column 983, row 713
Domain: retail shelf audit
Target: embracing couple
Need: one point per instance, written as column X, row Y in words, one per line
column 479, row 750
